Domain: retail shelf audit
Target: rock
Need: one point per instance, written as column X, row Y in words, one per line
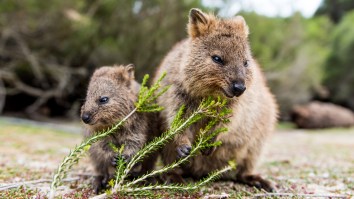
column 321, row 115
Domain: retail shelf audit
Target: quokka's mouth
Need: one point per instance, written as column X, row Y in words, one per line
column 102, row 123
column 92, row 123
column 227, row 93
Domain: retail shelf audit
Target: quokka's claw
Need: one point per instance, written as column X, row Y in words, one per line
column 183, row 151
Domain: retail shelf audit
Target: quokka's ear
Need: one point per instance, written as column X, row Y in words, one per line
column 130, row 69
column 241, row 25
column 199, row 23
column 124, row 72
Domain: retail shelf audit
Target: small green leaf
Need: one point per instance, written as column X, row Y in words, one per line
column 232, row 164
column 87, row 147
column 121, row 149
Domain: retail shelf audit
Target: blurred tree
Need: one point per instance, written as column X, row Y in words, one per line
column 292, row 52
column 335, row 9
column 48, row 49
column 340, row 64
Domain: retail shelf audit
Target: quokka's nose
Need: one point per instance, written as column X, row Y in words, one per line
column 238, row 88
column 86, row 118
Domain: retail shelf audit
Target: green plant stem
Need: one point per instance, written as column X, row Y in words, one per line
column 189, row 187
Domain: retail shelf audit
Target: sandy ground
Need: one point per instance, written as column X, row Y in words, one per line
column 302, row 164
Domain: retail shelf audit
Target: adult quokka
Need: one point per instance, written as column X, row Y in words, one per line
column 216, row 60
column 111, row 94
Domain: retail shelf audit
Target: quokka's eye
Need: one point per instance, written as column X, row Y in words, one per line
column 217, row 59
column 103, row 100
column 246, row 63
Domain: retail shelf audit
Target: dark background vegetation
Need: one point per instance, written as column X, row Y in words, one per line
column 48, row 50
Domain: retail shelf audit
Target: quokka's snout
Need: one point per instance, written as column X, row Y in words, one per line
column 235, row 89
column 86, row 117
column 238, row 88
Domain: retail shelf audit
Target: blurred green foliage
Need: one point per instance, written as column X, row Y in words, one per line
column 340, row 64
column 292, row 52
column 52, row 47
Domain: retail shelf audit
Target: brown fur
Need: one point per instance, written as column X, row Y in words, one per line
column 194, row 75
column 118, row 84
column 322, row 115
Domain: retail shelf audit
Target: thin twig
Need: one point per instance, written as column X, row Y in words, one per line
column 19, row 85
column 220, row 196
column 83, row 174
column 34, row 63
column 299, row 195
column 40, row 101
column 15, row 185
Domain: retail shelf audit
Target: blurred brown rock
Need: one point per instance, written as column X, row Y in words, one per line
column 322, row 115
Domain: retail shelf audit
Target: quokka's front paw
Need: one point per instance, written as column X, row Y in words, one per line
column 258, row 182
column 116, row 157
column 183, row 150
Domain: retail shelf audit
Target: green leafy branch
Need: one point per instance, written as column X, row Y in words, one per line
column 188, row 188
column 147, row 96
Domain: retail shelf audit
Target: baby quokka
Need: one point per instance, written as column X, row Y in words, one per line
column 111, row 94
